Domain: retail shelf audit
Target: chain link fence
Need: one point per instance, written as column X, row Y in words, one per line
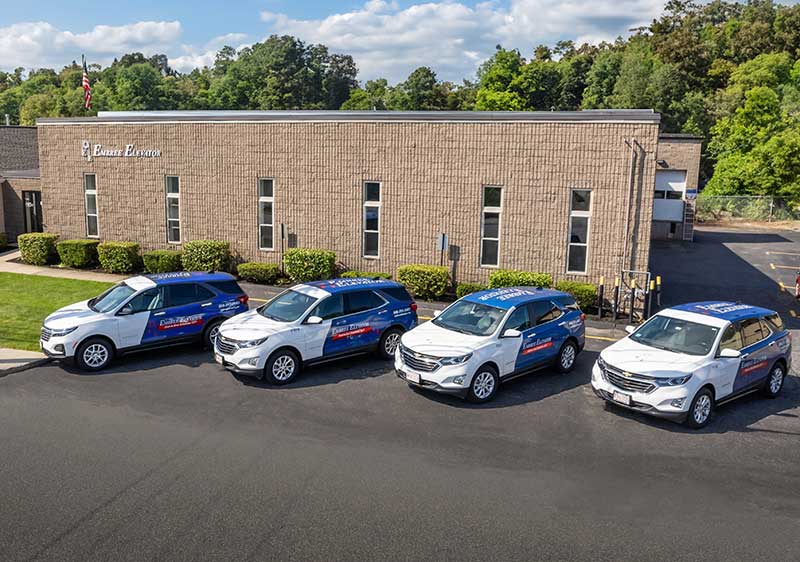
column 718, row 208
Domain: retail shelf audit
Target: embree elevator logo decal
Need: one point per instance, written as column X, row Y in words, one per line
column 89, row 151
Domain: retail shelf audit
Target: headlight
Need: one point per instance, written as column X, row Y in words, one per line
column 61, row 333
column 674, row 381
column 601, row 363
column 455, row 360
column 252, row 343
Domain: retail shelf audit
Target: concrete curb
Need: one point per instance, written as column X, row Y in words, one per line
column 29, row 365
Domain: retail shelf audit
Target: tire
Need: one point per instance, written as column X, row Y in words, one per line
column 94, row 354
column 389, row 342
column 210, row 333
column 484, row 385
column 565, row 360
column 701, row 409
column 282, row 367
column 775, row 380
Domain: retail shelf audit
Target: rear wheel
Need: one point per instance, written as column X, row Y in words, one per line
column 94, row 354
column 282, row 367
column 565, row 361
column 774, row 383
column 484, row 385
column 701, row 409
column 389, row 342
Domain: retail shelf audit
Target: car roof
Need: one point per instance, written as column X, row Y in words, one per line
column 724, row 310
column 509, row 297
column 155, row 279
column 333, row 286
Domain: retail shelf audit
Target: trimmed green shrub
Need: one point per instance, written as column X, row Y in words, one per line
column 424, row 281
column 78, row 253
column 37, row 248
column 585, row 293
column 3, row 240
column 162, row 261
column 369, row 274
column 307, row 264
column 119, row 257
column 206, row 255
column 464, row 289
column 514, row 278
column 258, row 272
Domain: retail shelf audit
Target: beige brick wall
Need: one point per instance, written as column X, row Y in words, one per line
column 12, row 207
column 432, row 175
column 682, row 154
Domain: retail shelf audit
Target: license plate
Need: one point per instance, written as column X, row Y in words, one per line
column 412, row 377
column 622, row 398
column 218, row 358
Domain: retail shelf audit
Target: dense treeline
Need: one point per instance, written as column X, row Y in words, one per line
column 728, row 72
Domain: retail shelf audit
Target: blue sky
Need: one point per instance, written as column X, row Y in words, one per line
column 387, row 38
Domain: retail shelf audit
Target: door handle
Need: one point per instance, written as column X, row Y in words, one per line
column 159, row 313
column 206, row 304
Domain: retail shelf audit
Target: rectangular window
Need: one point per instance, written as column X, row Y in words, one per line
column 372, row 219
column 90, row 195
column 173, row 190
column 266, row 204
column 579, row 218
column 490, row 225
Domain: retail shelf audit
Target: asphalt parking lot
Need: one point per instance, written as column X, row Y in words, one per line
column 167, row 457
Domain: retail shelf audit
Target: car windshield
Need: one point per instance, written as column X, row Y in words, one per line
column 287, row 307
column 676, row 335
column 111, row 299
column 470, row 318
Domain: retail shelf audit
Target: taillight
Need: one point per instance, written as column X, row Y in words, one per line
column 243, row 299
column 583, row 317
column 414, row 307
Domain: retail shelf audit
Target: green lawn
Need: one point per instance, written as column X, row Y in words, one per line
column 25, row 300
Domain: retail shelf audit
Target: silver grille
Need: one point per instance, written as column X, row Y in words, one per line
column 226, row 346
column 46, row 333
column 628, row 381
column 419, row 361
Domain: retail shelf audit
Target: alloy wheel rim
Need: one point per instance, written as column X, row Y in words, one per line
column 283, row 368
column 568, row 357
column 702, row 409
column 776, row 380
column 95, row 355
column 212, row 335
column 484, row 385
column 392, row 341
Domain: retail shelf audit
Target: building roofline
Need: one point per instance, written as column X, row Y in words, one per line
column 604, row 115
column 680, row 136
column 32, row 174
column 2, row 126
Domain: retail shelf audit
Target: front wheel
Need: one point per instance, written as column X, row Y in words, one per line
column 282, row 367
column 389, row 342
column 774, row 382
column 94, row 354
column 484, row 385
column 565, row 361
column 210, row 334
column 701, row 409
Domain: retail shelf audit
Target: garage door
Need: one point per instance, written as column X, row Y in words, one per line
column 670, row 180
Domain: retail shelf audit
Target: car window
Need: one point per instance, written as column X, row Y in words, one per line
column 519, row 320
column 148, row 300
column 187, row 293
column 775, row 322
column 676, row 335
column 471, row 318
column 229, row 287
column 567, row 303
column 731, row 338
column 766, row 331
column 545, row 311
column 111, row 298
column 287, row 307
column 360, row 301
column 751, row 331
column 398, row 293
column 331, row 307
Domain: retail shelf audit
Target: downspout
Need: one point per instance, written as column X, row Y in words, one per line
column 631, row 176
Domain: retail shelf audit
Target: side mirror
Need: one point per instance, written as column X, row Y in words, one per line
column 730, row 353
column 630, row 329
column 125, row 311
column 314, row 320
column 511, row 334
column 436, row 313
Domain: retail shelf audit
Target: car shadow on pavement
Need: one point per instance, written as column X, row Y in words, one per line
column 185, row 355
column 744, row 415
column 533, row 387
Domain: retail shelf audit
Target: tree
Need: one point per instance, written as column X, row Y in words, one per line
column 601, row 78
column 538, row 85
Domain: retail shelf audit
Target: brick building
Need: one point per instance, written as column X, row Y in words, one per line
column 20, row 196
column 570, row 193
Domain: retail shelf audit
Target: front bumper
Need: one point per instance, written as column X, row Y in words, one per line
column 244, row 361
column 430, row 385
column 58, row 347
column 441, row 380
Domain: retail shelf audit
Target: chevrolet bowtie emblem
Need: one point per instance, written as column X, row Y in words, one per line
column 626, row 374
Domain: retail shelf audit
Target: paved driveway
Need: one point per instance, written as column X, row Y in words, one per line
column 165, row 457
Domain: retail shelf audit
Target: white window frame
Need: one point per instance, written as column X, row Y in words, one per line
column 370, row 205
column 271, row 201
column 166, row 209
column 499, row 212
column 96, row 214
column 580, row 214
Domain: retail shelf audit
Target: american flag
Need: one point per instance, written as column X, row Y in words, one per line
column 87, row 88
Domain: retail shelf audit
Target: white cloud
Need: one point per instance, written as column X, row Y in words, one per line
column 194, row 57
column 40, row 44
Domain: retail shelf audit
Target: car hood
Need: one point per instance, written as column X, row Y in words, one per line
column 628, row 355
column 249, row 326
column 430, row 339
column 73, row 315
